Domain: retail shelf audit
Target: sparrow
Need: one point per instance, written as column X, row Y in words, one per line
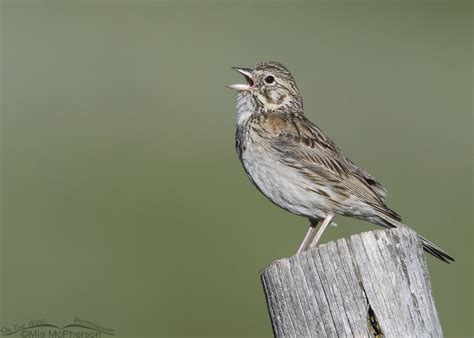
column 296, row 165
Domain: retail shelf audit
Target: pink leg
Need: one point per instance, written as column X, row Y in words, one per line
column 307, row 237
column 323, row 227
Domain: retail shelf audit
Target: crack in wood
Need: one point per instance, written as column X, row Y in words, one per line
column 374, row 323
column 375, row 284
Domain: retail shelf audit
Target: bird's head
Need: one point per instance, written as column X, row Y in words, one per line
column 271, row 87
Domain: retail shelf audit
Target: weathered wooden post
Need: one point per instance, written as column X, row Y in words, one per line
column 373, row 284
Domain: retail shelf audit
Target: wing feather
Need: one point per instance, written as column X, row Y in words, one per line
column 303, row 146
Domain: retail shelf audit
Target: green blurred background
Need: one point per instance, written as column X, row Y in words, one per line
column 122, row 199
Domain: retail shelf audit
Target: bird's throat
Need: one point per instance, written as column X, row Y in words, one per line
column 246, row 107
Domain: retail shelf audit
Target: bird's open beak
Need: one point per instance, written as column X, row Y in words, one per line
column 248, row 76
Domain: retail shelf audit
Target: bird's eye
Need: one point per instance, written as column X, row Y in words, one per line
column 269, row 79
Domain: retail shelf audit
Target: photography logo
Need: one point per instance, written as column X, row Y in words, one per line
column 40, row 328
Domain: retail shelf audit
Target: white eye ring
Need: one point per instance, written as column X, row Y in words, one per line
column 269, row 79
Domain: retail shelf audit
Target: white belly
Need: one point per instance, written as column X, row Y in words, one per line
column 284, row 186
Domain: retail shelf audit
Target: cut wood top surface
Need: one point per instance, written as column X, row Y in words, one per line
column 374, row 283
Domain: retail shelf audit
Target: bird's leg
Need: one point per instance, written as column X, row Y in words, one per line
column 323, row 227
column 303, row 246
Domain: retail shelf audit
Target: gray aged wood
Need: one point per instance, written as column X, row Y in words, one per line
column 375, row 283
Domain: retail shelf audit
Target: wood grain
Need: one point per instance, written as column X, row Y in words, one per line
column 372, row 284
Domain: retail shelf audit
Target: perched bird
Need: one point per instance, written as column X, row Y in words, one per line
column 296, row 165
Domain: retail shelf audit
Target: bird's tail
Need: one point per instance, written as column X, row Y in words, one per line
column 428, row 246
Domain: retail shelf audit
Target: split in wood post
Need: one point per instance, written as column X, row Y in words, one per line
column 373, row 284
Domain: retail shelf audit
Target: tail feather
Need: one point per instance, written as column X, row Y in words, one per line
column 435, row 250
column 428, row 246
